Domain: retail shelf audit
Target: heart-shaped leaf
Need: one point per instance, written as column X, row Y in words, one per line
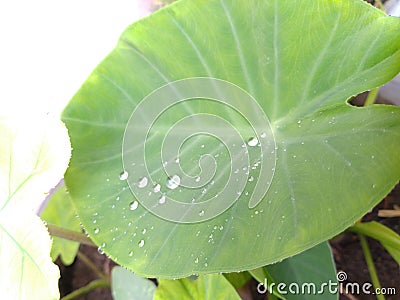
column 240, row 149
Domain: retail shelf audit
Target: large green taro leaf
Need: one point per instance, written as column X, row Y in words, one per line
column 300, row 60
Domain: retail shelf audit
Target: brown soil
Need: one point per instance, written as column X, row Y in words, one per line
column 79, row 274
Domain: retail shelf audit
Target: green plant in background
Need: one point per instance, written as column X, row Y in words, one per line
column 301, row 61
column 61, row 213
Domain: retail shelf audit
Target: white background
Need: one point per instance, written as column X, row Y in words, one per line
column 49, row 47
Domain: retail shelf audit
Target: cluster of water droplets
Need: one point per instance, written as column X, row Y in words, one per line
column 173, row 182
column 229, row 151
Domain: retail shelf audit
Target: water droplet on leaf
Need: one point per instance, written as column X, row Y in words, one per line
column 124, row 175
column 162, row 199
column 173, row 182
column 143, row 182
column 157, row 188
column 133, row 205
column 253, row 142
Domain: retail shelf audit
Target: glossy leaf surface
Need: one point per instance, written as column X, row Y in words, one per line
column 300, row 61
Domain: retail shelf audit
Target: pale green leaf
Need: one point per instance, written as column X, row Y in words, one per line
column 27, row 271
column 34, row 155
column 32, row 160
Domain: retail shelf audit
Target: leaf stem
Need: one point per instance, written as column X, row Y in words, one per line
column 376, row 231
column 87, row 288
column 371, row 98
column 69, row 235
column 91, row 265
column 370, row 265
